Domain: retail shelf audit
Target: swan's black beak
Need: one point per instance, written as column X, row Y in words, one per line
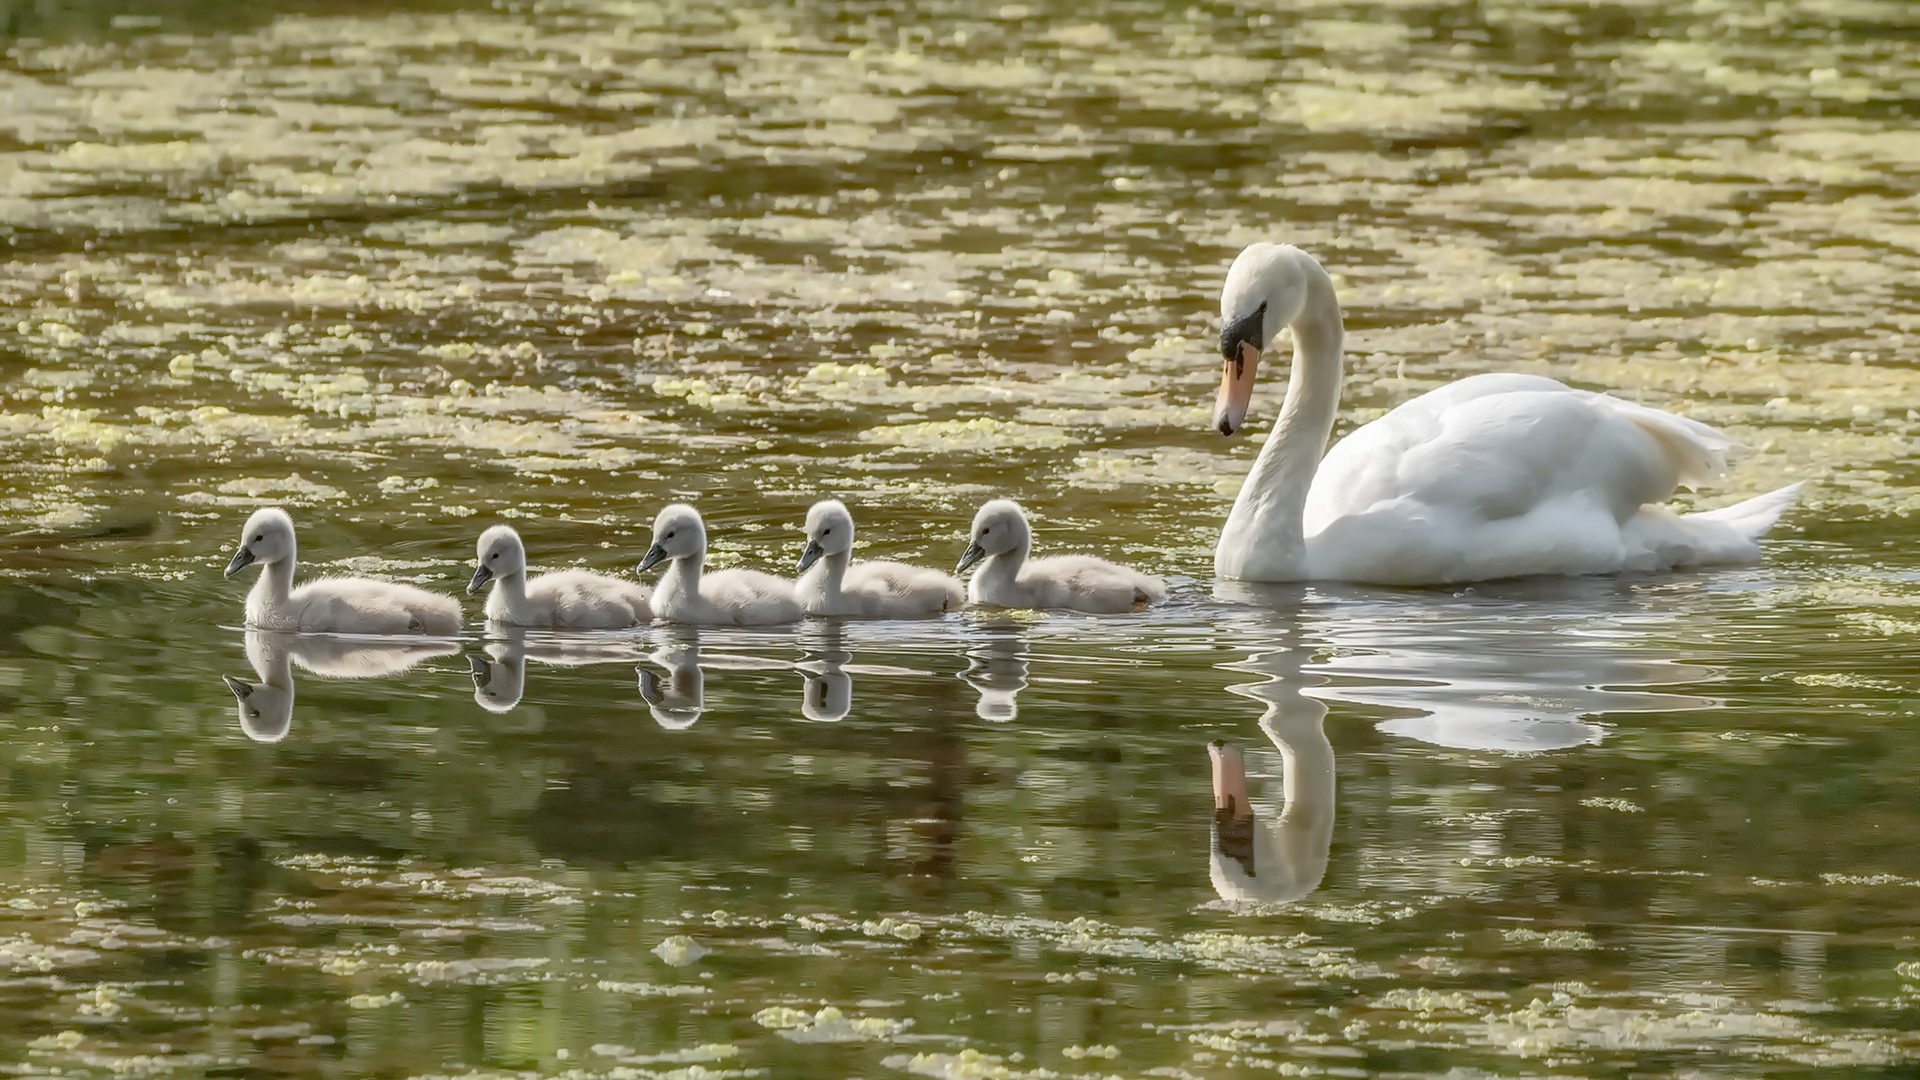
column 810, row 556
column 1240, row 346
column 655, row 555
column 241, row 560
column 240, row 689
column 973, row 554
column 481, row 575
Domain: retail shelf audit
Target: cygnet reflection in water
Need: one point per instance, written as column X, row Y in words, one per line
column 826, row 690
column 500, row 670
column 997, row 671
column 1497, row 668
column 1276, row 854
column 678, row 700
column 266, row 706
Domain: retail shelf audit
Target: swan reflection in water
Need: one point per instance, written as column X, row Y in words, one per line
column 1274, row 853
column 997, row 669
column 1508, row 667
column 500, row 670
column 266, row 706
column 676, row 695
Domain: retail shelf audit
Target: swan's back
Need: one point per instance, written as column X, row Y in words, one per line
column 583, row 600
column 749, row 597
column 896, row 590
column 356, row 605
column 1087, row 583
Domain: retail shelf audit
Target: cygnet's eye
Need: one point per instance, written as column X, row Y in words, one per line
column 985, row 529
column 669, row 536
column 259, row 538
column 826, row 532
column 493, row 556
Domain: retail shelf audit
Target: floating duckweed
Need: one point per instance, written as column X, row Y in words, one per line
column 1078, row 1053
column 1608, row 802
column 891, row 927
column 828, row 1024
column 679, row 950
column 968, row 1064
column 374, row 1001
column 1550, row 939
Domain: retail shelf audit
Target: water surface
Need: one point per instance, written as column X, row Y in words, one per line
column 410, row 271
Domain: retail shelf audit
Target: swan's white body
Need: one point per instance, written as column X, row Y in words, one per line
column 1007, row 578
column 687, row 594
column 349, row 605
column 1493, row 476
column 832, row 584
column 560, row 600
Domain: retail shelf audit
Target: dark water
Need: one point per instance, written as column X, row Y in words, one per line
column 408, row 272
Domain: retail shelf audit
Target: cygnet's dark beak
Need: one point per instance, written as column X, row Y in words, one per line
column 810, row 556
column 241, row 560
column 655, row 555
column 481, row 575
column 973, row 554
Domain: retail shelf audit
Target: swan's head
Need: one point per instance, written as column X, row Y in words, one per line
column 829, row 532
column 266, row 712
column 268, row 538
column 999, row 527
column 501, row 554
column 1266, row 289
column 499, row 679
column 678, row 533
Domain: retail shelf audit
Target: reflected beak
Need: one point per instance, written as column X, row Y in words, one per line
column 649, row 686
column 973, row 554
column 241, row 560
column 240, row 689
column 655, row 555
column 1229, row 781
column 810, row 556
column 481, row 671
column 1236, row 388
column 481, row 575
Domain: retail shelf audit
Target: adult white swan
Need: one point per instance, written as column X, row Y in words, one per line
column 1493, row 476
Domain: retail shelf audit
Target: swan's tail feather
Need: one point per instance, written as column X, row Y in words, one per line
column 1698, row 452
column 1753, row 517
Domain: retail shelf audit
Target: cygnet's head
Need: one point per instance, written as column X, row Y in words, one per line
column 829, row 532
column 1266, row 289
column 499, row 678
column 266, row 712
column 678, row 533
column 1000, row 527
column 500, row 555
column 268, row 538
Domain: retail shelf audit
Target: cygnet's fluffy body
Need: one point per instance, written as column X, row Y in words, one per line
column 1007, row 578
column 346, row 605
column 561, row 600
column 687, row 594
column 832, row 584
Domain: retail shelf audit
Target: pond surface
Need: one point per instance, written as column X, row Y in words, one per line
column 410, row 270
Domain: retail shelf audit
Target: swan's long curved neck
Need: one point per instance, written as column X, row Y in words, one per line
column 270, row 593
column 1268, row 516
column 1004, row 568
column 512, row 590
column 830, row 574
